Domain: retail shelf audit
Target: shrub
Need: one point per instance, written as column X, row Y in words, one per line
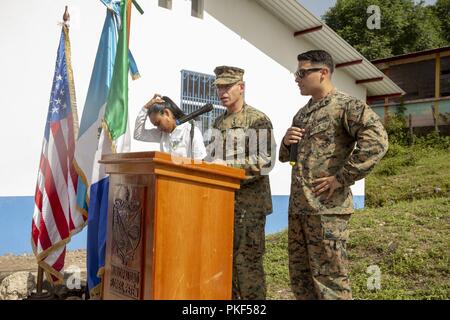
column 434, row 141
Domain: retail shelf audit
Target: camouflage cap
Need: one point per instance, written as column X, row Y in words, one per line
column 228, row 75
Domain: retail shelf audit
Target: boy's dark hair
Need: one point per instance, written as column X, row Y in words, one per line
column 168, row 104
column 319, row 57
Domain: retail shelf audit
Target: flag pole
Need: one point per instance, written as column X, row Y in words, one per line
column 39, row 295
column 40, row 280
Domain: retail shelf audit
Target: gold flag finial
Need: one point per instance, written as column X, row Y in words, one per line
column 66, row 16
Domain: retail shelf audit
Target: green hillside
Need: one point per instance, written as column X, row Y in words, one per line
column 404, row 231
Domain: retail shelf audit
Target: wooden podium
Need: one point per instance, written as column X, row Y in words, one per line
column 170, row 227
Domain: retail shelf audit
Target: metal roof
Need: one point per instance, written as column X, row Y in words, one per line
column 416, row 54
column 298, row 18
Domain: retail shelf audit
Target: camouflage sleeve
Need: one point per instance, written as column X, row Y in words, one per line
column 285, row 151
column 371, row 139
column 284, row 154
column 261, row 157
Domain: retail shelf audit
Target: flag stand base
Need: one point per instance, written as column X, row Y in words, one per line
column 42, row 296
column 39, row 294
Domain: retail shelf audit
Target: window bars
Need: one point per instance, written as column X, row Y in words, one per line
column 197, row 89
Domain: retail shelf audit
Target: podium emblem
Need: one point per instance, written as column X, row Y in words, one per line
column 126, row 225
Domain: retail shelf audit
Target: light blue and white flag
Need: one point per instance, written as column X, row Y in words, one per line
column 93, row 139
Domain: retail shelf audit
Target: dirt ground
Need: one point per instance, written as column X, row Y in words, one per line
column 11, row 263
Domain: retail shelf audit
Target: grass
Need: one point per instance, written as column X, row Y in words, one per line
column 408, row 174
column 405, row 234
column 408, row 242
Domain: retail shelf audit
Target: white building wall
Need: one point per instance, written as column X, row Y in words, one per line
column 233, row 32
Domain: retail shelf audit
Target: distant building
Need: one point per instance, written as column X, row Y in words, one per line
column 425, row 76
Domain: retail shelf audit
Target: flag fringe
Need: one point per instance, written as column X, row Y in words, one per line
column 135, row 76
column 70, row 81
column 109, row 136
column 49, row 271
column 42, row 255
column 96, row 291
column 81, row 175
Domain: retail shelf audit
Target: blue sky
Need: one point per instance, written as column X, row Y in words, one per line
column 319, row 7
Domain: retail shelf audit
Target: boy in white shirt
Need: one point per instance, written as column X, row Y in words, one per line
column 184, row 140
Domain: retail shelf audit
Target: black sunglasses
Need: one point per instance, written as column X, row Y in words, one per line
column 300, row 73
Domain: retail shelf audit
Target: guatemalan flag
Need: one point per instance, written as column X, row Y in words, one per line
column 104, row 129
column 55, row 217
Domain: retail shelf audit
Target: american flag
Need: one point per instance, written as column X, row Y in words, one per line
column 55, row 217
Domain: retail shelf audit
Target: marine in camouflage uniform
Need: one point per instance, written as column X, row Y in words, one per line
column 343, row 138
column 253, row 200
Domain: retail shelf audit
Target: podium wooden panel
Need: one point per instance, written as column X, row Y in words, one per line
column 170, row 227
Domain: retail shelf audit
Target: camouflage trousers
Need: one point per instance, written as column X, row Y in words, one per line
column 318, row 264
column 248, row 251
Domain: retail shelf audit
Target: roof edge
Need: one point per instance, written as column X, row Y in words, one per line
column 411, row 55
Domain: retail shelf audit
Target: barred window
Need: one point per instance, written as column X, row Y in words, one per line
column 197, row 89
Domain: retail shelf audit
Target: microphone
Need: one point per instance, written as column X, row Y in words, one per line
column 293, row 154
column 206, row 108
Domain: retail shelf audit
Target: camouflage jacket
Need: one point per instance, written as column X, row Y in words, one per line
column 255, row 152
column 343, row 137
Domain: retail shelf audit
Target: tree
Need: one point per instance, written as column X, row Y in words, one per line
column 405, row 26
column 442, row 11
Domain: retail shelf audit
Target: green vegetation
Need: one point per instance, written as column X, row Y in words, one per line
column 405, row 26
column 409, row 242
column 409, row 173
column 404, row 230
